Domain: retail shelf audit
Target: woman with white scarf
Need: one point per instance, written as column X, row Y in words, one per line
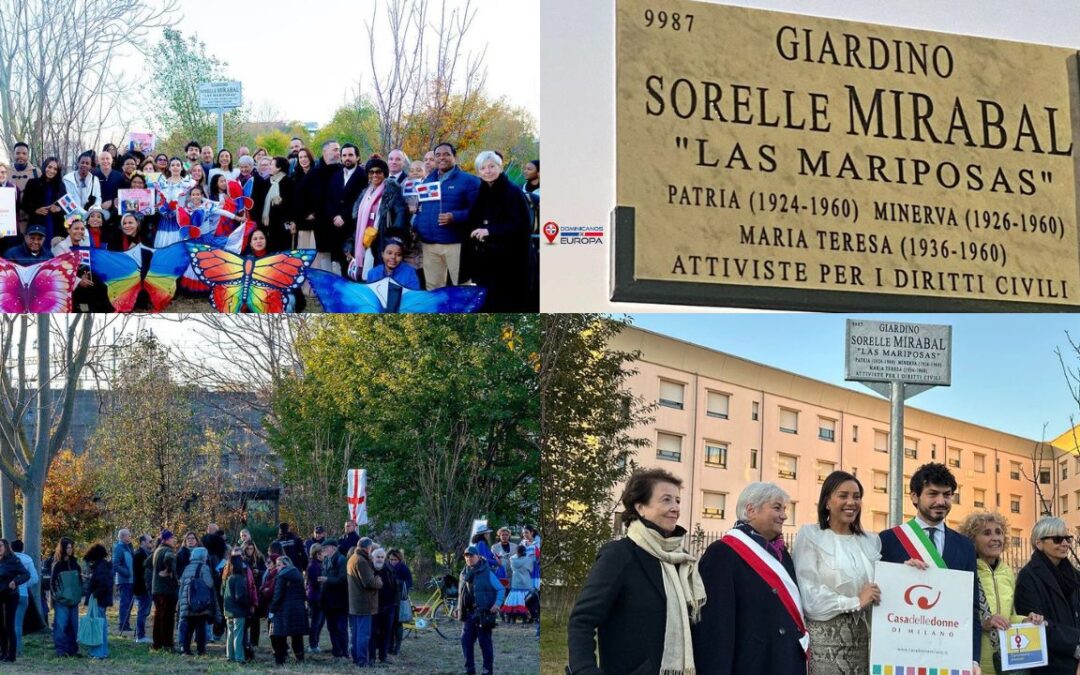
column 644, row 592
column 277, row 207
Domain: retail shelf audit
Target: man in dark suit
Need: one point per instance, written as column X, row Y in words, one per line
column 932, row 489
column 343, row 188
column 745, row 626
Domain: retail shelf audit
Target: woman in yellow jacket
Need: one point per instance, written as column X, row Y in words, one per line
column 997, row 583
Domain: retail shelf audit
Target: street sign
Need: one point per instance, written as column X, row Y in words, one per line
column 220, row 95
column 892, row 351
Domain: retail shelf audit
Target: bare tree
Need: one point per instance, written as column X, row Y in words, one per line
column 59, row 78
column 430, row 68
column 306, row 500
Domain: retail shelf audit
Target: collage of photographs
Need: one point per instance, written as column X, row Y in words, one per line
column 769, row 225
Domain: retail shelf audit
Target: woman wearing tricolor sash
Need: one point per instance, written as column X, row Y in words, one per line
column 834, row 565
column 753, row 623
column 634, row 613
column 997, row 584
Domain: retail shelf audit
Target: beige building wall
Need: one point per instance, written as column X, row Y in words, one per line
column 723, row 422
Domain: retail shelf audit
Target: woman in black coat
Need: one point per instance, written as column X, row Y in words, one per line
column 39, row 199
column 305, row 199
column 288, row 613
column 99, row 587
column 499, row 242
column 1050, row 585
column 278, row 208
column 12, row 574
column 629, row 606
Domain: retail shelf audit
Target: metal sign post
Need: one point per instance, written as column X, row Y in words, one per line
column 220, row 96
column 898, row 361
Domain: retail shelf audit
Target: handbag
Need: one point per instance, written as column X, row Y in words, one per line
column 405, row 610
column 91, row 627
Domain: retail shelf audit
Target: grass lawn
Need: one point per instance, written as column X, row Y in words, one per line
column 552, row 646
column 516, row 651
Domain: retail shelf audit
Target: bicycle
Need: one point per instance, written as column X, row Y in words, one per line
column 437, row 612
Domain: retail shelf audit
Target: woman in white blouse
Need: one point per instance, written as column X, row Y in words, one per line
column 834, row 564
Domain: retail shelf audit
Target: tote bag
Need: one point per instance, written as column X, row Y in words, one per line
column 91, row 626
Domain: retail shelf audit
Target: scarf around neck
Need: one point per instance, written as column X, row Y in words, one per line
column 683, row 589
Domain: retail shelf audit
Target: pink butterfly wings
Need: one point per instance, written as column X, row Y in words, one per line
column 42, row 288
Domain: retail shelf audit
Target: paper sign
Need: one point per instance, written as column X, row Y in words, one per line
column 136, row 201
column 1023, row 646
column 142, row 142
column 478, row 525
column 924, row 621
column 7, row 212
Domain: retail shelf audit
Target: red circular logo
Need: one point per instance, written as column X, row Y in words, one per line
column 551, row 230
column 922, row 599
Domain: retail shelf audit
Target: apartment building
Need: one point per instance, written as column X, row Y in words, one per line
column 723, row 422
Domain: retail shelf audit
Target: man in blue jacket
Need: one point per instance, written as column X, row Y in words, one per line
column 123, row 558
column 932, row 489
column 33, row 249
column 443, row 223
column 480, row 597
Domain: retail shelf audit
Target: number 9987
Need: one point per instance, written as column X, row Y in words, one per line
column 674, row 21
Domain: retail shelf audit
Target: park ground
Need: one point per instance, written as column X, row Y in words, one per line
column 552, row 645
column 516, row 652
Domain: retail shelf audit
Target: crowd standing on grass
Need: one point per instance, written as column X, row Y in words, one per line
column 648, row 604
column 206, row 589
column 363, row 217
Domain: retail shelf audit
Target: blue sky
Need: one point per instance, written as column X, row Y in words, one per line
column 1005, row 373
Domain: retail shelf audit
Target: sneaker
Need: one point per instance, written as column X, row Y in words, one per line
column 316, row 650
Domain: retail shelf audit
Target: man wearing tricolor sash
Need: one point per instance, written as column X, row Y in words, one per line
column 926, row 541
column 755, row 625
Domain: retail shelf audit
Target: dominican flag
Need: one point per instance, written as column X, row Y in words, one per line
column 429, row 192
column 408, row 188
column 68, row 203
column 84, row 254
column 357, row 499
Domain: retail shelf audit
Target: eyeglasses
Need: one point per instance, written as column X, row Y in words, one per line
column 375, row 172
column 1057, row 539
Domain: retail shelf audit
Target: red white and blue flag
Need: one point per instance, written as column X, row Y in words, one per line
column 429, row 192
column 68, row 203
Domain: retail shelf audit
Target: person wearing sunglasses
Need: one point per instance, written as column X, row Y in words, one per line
column 997, row 584
column 1049, row 585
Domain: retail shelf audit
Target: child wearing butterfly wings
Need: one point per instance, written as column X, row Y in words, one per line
column 392, row 254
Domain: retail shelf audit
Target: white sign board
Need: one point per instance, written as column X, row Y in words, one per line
column 891, row 351
column 219, row 95
column 924, row 620
column 7, row 212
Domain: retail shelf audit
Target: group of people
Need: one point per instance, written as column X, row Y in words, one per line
column 749, row 606
column 204, row 589
column 366, row 221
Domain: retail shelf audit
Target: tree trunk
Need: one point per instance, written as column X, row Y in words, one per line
column 34, row 492
column 7, row 509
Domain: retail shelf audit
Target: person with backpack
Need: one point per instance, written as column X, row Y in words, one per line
column 12, row 575
column 164, row 588
column 288, row 617
column 66, row 595
column 239, row 598
column 99, row 588
column 197, row 602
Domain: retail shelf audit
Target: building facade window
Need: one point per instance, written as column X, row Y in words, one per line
column 954, row 458
column 669, row 446
column 717, row 405
column 753, row 458
column 789, row 421
column 881, row 441
column 1014, row 470
column 911, row 448
column 1014, row 503
column 979, row 462
column 789, row 466
column 755, row 411
column 824, row 469
column 713, row 504
column 671, row 394
column 1064, row 500
column 1064, row 470
column 881, row 482
column 826, row 429
column 716, row 454
column 980, row 498
column 854, row 433
column 1044, row 476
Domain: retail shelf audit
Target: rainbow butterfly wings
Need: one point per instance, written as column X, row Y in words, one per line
column 245, row 283
column 41, row 288
column 124, row 276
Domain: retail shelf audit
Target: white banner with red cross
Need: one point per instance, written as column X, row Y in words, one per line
column 357, row 495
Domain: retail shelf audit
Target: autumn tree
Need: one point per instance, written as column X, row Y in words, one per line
column 158, row 467
column 587, row 415
column 72, row 507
